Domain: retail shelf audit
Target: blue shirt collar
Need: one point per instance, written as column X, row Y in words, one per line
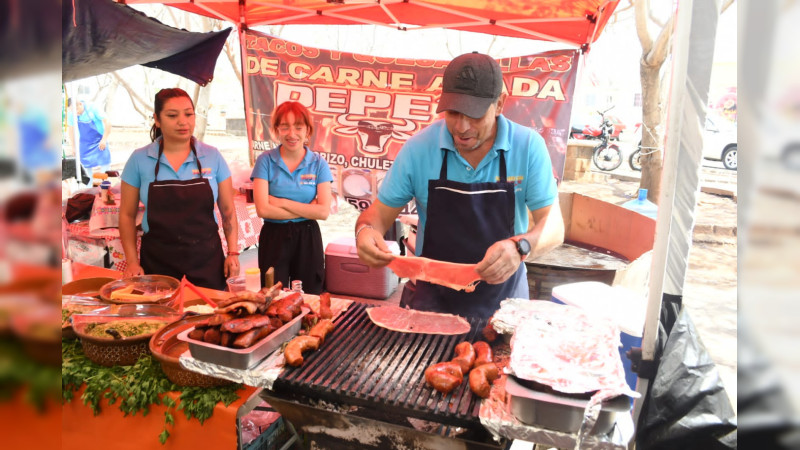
column 152, row 150
column 275, row 155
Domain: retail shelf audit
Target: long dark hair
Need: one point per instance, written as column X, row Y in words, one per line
column 161, row 98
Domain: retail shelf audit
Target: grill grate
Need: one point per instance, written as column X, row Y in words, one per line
column 382, row 371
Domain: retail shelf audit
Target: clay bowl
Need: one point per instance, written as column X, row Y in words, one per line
column 125, row 351
column 167, row 348
column 87, row 287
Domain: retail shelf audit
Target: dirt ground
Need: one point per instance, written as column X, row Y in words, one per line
column 711, row 279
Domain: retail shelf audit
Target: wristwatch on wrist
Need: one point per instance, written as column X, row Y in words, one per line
column 523, row 247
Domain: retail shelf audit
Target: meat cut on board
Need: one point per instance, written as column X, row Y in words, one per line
column 461, row 277
column 412, row 321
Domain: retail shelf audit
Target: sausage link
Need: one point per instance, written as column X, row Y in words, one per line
column 246, row 323
column 444, row 376
column 212, row 336
column 481, row 377
column 325, row 306
column 295, row 348
column 489, row 332
column 465, row 356
column 246, row 339
column 227, row 338
column 220, row 318
column 196, row 334
column 321, row 329
column 484, row 353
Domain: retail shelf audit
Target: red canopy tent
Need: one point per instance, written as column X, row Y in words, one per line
column 574, row 22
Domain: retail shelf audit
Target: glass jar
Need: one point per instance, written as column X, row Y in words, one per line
column 297, row 286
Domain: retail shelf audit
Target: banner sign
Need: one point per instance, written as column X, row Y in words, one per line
column 365, row 107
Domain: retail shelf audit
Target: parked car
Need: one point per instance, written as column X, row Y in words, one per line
column 720, row 142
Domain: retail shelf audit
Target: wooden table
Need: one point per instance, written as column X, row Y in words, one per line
column 81, row 429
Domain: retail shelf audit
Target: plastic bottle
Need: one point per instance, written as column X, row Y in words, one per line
column 642, row 205
column 105, row 192
column 252, row 279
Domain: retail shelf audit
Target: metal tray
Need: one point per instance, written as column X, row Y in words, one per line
column 560, row 413
column 244, row 358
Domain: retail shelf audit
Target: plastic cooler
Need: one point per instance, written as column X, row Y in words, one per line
column 345, row 274
column 622, row 305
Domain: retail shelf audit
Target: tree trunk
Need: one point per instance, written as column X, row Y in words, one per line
column 652, row 140
column 202, row 95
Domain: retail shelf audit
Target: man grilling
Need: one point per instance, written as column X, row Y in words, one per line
column 475, row 176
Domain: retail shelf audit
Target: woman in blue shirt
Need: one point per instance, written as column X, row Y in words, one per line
column 292, row 190
column 178, row 179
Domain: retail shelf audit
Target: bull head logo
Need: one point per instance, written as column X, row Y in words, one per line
column 373, row 134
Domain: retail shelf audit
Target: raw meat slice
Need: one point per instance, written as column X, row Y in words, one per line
column 412, row 321
column 455, row 276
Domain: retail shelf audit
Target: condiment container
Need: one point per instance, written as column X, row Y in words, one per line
column 252, row 279
column 237, row 284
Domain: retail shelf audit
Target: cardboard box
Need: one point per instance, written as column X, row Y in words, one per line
column 345, row 274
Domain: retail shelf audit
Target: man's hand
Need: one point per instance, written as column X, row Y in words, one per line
column 102, row 144
column 372, row 249
column 500, row 262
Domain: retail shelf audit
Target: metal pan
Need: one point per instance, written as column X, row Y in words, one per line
column 244, row 358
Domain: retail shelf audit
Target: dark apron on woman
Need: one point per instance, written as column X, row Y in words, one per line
column 464, row 220
column 183, row 237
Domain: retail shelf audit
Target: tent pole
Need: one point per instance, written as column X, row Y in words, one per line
column 72, row 110
column 680, row 46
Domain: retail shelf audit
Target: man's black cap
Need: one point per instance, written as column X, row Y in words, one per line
column 471, row 83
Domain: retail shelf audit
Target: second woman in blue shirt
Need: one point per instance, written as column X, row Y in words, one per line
column 292, row 190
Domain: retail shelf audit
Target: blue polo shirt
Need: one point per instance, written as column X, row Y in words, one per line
column 139, row 171
column 300, row 185
column 420, row 160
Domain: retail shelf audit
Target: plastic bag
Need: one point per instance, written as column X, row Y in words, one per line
column 686, row 406
column 240, row 173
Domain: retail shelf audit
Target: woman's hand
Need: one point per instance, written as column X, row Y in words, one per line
column 133, row 270
column 232, row 266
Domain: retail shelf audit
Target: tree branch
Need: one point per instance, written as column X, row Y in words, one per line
column 134, row 96
column 658, row 54
column 640, row 9
column 237, row 69
column 619, row 10
column 725, row 6
column 655, row 19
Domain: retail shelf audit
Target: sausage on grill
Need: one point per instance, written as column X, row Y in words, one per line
column 465, row 356
column 483, row 352
column 295, row 348
column 481, row 377
column 321, row 329
column 444, row 376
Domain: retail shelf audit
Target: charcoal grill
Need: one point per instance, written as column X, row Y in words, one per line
column 369, row 376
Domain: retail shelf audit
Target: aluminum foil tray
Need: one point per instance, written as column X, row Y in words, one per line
column 560, row 413
column 244, row 358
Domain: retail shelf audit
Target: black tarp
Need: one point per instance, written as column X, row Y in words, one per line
column 100, row 36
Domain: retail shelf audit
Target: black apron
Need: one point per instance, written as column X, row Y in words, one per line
column 464, row 220
column 184, row 237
